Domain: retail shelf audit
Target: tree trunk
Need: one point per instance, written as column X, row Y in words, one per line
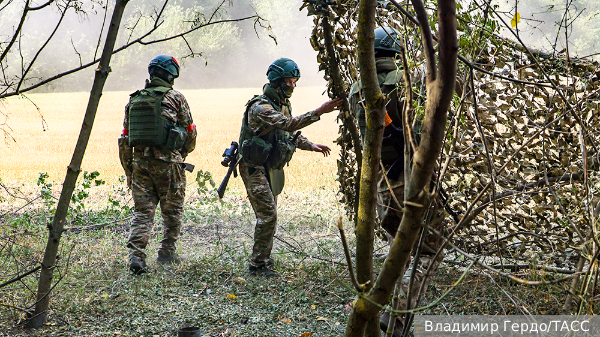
column 374, row 106
column 440, row 87
column 55, row 229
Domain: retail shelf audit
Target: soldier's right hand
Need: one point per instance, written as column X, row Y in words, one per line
column 329, row 106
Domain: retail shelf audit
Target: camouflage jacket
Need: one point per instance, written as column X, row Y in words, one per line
column 263, row 115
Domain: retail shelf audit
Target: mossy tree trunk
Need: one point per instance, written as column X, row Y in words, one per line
column 55, row 229
column 375, row 114
column 440, row 87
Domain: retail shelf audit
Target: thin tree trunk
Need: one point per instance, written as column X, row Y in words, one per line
column 40, row 315
column 440, row 88
column 365, row 226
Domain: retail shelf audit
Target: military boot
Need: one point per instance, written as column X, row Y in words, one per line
column 262, row 271
column 167, row 257
column 137, row 265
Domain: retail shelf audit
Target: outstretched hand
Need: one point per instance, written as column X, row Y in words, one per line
column 324, row 149
column 329, row 106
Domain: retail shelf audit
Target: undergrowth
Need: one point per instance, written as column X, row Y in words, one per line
column 96, row 294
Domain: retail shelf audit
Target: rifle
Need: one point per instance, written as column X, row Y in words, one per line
column 189, row 167
column 231, row 161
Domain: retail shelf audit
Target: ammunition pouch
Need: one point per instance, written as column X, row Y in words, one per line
column 282, row 153
column 256, row 150
column 126, row 155
column 176, row 138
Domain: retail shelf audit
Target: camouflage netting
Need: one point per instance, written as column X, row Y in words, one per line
column 531, row 132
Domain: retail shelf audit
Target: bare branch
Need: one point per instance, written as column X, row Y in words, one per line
column 348, row 258
column 20, row 276
column 41, row 6
column 16, row 33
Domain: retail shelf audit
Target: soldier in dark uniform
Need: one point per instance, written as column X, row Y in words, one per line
column 158, row 134
column 267, row 144
column 391, row 83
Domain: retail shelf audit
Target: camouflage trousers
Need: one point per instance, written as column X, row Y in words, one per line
column 155, row 181
column 390, row 214
column 264, row 204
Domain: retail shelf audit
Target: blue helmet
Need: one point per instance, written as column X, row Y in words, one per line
column 283, row 68
column 387, row 39
column 165, row 62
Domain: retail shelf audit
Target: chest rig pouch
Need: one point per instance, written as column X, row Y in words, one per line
column 254, row 148
column 272, row 147
column 148, row 126
column 283, row 150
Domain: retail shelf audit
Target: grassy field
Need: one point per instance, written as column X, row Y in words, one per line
column 96, row 295
column 45, row 138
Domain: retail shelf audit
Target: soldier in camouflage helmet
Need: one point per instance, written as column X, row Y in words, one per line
column 158, row 134
column 267, row 144
column 390, row 77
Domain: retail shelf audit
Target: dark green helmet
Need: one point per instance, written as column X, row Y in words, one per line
column 387, row 39
column 164, row 62
column 283, row 68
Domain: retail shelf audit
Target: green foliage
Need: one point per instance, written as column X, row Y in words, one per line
column 82, row 210
column 82, row 191
column 206, row 188
column 77, row 210
column 115, row 203
column 46, row 191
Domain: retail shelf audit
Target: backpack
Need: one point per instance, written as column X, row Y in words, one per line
column 148, row 126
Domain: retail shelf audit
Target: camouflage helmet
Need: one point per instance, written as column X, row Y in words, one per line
column 165, row 62
column 283, row 68
column 387, row 39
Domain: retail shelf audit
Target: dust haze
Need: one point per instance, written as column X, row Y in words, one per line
column 230, row 55
column 234, row 54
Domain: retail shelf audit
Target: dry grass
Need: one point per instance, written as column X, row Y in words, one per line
column 216, row 112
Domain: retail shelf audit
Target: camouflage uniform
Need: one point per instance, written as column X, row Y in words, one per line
column 157, row 176
column 390, row 79
column 271, row 111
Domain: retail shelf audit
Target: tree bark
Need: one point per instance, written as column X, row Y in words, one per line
column 374, row 106
column 40, row 315
column 440, row 88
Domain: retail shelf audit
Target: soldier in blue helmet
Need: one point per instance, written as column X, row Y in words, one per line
column 268, row 140
column 158, row 134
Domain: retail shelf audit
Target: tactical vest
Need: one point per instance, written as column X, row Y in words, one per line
column 271, row 147
column 148, row 126
column 387, row 83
